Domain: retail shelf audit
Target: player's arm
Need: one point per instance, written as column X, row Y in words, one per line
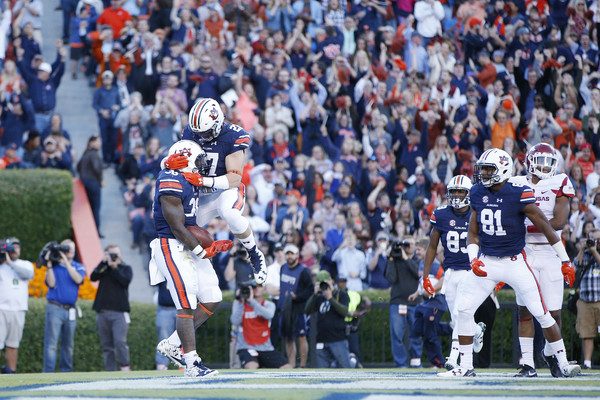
column 561, row 213
column 234, row 163
column 473, row 246
column 538, row 219
column 430, row 253
column 172, row 209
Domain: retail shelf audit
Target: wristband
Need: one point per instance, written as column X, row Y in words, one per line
column 559, row 248
column 472, row 251
column 219, row 182
column 199, row 251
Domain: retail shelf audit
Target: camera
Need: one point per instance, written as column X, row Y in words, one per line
column 245, row 288
column 6, row 246
column 323, row 286
column 52, row 250
column 590, row 243
column 241, row 253
column 113, row 256
column 396, row 248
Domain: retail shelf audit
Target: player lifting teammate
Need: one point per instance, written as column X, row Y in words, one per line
column 178, row 257
column 450, row 224
column 496, row 251
column 552, row 193
column 221, row 191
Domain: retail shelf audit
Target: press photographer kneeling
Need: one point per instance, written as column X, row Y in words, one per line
column 331, row 306
column 252, row 314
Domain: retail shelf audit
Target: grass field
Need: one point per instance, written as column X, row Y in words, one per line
column 299, row 384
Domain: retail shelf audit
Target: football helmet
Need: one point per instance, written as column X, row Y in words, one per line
column 542, row 161
column 494, row 166
column 457, row 185
column 196, row 156
column 206, row 119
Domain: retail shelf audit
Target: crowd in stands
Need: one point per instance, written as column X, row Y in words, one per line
column 360, row 110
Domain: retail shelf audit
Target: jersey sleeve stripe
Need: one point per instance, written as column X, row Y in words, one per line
column 170, row 185
column 528, row 200
column 242, row 140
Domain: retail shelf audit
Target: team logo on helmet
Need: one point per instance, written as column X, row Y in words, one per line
column 214, row 114
column 503, row 160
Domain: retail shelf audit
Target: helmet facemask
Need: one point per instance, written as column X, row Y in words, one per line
column 486, row 174
column 457, row 197
column 542, row 165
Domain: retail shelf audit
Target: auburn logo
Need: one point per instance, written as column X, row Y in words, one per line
column 214, row 114
column 185, row 152
column 503, row 160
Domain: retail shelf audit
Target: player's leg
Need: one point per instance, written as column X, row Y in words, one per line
column 472, row 291
column 523, row 281
column 551, row 283
column 526, row 330
column 231, row 203
column 450, row 289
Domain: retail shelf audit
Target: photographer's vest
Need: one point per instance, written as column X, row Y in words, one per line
column 254, row 327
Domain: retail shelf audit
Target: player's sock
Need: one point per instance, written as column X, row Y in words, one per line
column 587, row 364
column 466, row 356
column 190, row 357
column 559, row 351
column 454, row 351
column 248, row 242
column 527, row 351
column 547, row 349
column 174, row 339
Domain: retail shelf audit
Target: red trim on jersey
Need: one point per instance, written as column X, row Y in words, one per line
column 242, row 140
column 170, row 185
column 560, row 193
column 433, row 218
column 527, row 195
column 536, row 282
column 174, row 272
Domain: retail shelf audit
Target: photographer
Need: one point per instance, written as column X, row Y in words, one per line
column 252, row 315
column 63, row 277
column 112, row 306
column 588, row 305
column 402, row 273
column 238, row 268
column 331, row 306
column 14, row 277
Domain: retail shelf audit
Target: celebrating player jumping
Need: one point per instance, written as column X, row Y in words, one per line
column 496, row 251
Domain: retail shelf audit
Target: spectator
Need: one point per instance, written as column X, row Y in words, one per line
column 331, row 308
column 588, row 266
column 63, row 277
column 14, row 277
column 402, row 273
column 16, row 118
column 115, row 17
column 377, row 261
column 43, row 84
column 238, row 271
column 52, row 156
column 30, row 12
column 112, row 306
column 351, row 262
column 429, row 14
column 91, row 175
column 106, row 103
column 252, row 315
column 295, row 288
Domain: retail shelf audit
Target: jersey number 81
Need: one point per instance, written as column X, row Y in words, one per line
column 491, row 222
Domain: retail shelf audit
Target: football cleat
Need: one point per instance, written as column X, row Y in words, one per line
column 259, row 265
column 570, row 370
column 457, row 372
column 173, row 353
column 526, row 372
column 552, row 363
column 450, row 365
column 478, row 338
column 199, row 370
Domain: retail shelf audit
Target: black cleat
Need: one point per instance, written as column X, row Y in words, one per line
column 552, row 363
column 526, row 372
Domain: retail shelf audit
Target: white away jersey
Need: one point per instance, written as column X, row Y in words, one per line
column 546, row 192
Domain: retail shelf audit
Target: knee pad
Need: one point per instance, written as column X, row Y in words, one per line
column 546, row 320
column 210, row 294
column 237, row 222
column 465, row 323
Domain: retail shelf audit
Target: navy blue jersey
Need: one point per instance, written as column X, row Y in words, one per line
column 231, row 139
column 172, row 183
column 453, row 228
column 500, row 218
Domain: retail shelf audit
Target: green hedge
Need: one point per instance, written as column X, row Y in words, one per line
column 35, row 206
column 213, row 338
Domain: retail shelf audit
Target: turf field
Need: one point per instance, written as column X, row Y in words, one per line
column 303, row 384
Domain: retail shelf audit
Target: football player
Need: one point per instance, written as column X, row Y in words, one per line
column 178, row 257
column 496, row 251
column 221, row 191
column 552, row 193
column 450, row 224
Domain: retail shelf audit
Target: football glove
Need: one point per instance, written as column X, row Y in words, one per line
column 568, row 273
column 499, row 286
column 427, row 286
column 176, row 161
column 218, row 246
column 477, row 267
column 194, row 178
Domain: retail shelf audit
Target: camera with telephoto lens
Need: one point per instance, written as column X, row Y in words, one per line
column 396, row 248
column 323, row 286
column 245, row 288
column 590, row 243
column 52, row 251
column 6, row 246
